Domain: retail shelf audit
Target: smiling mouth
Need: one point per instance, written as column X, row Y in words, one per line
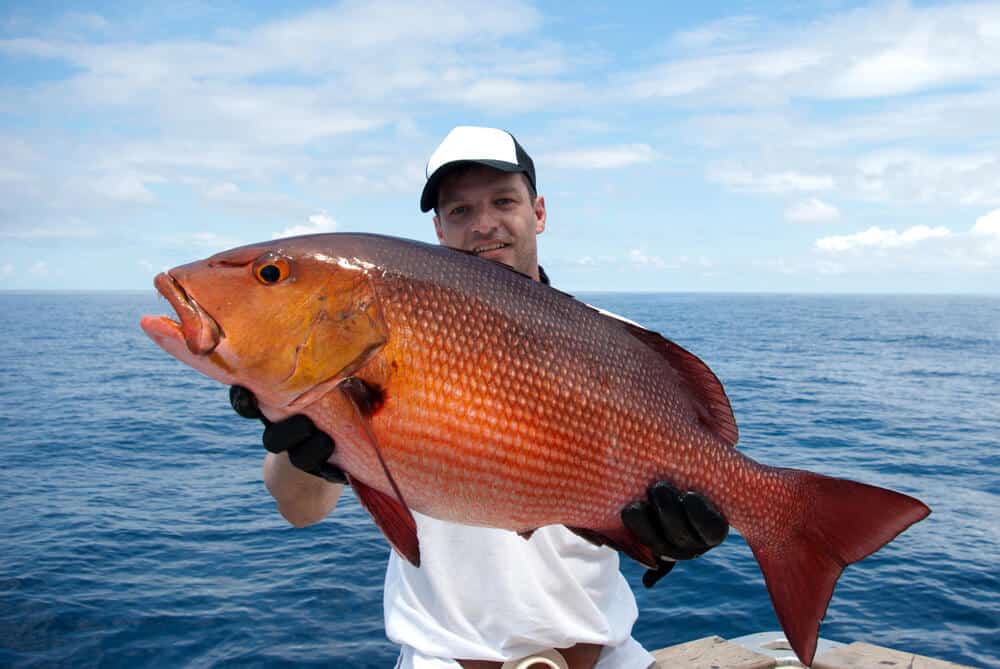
column 479, row 250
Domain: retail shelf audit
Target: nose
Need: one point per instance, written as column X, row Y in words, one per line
column 483, row 223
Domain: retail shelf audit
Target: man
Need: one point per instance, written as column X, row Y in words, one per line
column 484, row 596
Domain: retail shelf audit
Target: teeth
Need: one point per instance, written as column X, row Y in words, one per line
column 484, row 249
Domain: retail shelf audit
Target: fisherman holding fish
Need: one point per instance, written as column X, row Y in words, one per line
column 486, row 598
column 463, row 395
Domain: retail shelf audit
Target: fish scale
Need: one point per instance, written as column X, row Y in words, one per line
column 493, row 400
column 551, row 401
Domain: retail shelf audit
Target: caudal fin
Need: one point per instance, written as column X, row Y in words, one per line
column 842, row 522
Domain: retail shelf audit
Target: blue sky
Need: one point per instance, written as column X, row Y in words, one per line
column 725, row 147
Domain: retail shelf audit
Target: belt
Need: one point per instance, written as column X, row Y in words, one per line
column 580, row 656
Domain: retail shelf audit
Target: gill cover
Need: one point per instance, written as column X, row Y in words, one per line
column 346, row 331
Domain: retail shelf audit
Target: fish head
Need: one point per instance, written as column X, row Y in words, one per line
column 283, row 319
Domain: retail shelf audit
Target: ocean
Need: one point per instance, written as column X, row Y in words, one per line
column 136, row 530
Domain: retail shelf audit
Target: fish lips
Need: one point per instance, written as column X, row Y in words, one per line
column 200, row 331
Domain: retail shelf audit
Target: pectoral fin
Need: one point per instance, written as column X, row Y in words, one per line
column 394, row 519
column 391, row 513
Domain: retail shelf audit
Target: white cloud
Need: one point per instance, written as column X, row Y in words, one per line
column 985, row 237
column 591, row 261
column 812, row 210
column 876, row 237
column 915, row 176
column 895, row 176
column 127, row 188
column 920, row 48
column 778, row 182
column 701, row 262
column 39, row 268
column 640, row 258
column 507, row 94
column 988, row 225
column 223, row 191
column 253, row 202
column 834, row 56
column 270, row 121
column 606, row 157
column 210, row 241
column 736, row 73
column 279, row 118
column 918, row 249
column 318, row 223
column 715, row 33
column 6, row 270
column 50, row 232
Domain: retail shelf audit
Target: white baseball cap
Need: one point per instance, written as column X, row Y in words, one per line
column 470, row 144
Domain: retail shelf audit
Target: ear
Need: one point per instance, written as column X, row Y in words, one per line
column 539, row 209
column 437, row 229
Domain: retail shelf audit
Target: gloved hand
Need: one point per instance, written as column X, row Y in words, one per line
column 308, row 448
column 676, row 526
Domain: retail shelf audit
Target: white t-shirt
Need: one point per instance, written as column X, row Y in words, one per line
column 488, row 594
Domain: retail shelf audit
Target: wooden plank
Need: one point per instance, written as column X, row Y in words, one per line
column 860, row 655
column 712, row 652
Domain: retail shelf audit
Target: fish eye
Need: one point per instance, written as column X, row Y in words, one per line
column 271, row 269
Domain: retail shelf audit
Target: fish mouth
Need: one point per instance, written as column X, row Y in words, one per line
column 200, row 331
column 486, row 248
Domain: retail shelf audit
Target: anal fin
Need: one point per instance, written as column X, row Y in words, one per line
column 619, row 539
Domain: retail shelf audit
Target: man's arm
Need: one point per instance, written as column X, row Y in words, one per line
column 303, row 499
column 296, row 472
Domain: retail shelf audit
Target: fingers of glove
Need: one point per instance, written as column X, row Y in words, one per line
column 651, row 576
column 311, row 453
column 681, row 541
column 244, row 402
column 638, row 518
column 288, row 433
column 642, row 519
column 331, row 473
column 710, row 525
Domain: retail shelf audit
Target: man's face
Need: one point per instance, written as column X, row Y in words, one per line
column 490, row 213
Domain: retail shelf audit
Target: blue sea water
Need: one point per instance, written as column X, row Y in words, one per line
column 135, row 529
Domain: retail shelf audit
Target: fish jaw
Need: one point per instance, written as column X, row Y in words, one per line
column 168, row 334
column 196, row 339
column 201, row 332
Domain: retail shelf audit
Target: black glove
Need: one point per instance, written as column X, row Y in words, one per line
column 308, row 448
column 676, row 526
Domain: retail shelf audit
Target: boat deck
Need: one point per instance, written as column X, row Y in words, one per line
column 763, row 651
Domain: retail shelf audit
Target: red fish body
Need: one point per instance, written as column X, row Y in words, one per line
column 461, row 389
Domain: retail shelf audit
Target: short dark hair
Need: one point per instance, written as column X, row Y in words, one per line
column 465, row 168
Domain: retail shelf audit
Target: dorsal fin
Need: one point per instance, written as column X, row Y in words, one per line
column 703, row 386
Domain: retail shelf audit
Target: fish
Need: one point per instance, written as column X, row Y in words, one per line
column 458, row 388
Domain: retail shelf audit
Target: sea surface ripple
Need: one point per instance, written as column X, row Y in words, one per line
column 136, row 530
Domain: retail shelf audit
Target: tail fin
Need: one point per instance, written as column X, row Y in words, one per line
column 842, row 522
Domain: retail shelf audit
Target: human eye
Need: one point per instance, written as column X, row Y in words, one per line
column 504, row 201
column 458, row 211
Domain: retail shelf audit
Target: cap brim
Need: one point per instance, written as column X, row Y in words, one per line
column 428, row 198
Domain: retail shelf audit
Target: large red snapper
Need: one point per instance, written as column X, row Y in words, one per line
column 456, row 387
